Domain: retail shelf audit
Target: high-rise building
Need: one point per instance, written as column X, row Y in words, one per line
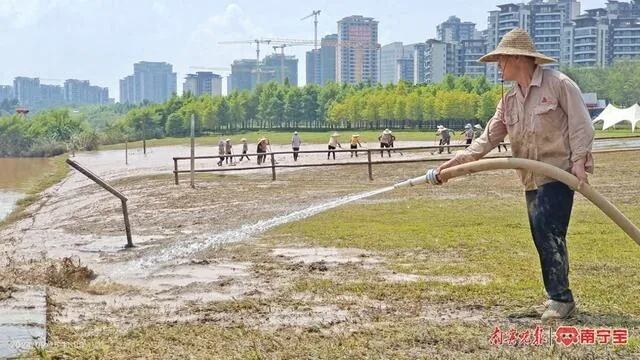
column 454, row 30
column 398, row 62
column 328, row 58
column 419, row 63
column 82, row 92
column 312, row 60
column 127, row 90
column 625, row 39
column 469, row 52
column 272, row 68
column 151, row 81
column 203, row 82
column 322, row 68
column 357, row 50
column 50, row 96
column 243, row 75
column 440, row 60
column 602, row 36
column 389, row 56
column 27, row 90
column 6, row 92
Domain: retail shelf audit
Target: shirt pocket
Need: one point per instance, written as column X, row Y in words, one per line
column 548, row 116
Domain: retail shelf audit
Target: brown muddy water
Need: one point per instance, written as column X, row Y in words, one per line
column 16, row 176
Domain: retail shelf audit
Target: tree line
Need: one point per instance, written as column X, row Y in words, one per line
column 281, row 106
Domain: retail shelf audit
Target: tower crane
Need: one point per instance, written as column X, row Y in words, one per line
column 281, row 47
column 315, row 14
column 257, row 42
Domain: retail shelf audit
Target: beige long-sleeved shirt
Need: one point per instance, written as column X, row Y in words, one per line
column 551, row 124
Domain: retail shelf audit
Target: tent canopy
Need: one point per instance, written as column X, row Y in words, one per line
column 612, row 115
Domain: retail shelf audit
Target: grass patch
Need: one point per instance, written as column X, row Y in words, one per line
column 58, row 171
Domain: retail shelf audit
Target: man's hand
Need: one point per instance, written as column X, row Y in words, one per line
column 579, row 171
column 447, row 164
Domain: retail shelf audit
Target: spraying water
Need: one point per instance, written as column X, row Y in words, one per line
column 182, row 249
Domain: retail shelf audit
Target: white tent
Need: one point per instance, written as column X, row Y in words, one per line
column 612, row 115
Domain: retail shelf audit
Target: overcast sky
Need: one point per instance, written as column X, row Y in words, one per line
column 99, row 40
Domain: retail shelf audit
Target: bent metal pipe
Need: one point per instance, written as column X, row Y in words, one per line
column 544, row 169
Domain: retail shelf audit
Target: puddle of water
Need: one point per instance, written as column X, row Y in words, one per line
column 183, row 249
column 8, row 201
column 15, row 339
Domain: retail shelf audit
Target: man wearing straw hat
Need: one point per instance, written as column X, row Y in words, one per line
column 228, row 150
column 295, row 145
column 445, row 138
column 385, row 141
column 333, row 143
column 245, row 149
column 546, row 120
column 354, row 143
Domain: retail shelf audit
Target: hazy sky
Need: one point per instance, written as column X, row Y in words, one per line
column 99, row 40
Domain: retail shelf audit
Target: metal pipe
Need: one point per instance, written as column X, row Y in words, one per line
column 543, row 169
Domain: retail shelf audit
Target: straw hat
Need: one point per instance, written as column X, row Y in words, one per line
column 517, row 42
column 468, row 126
column 440, row 127
column 386, row 131
column 228, row 140
column 295, row 133
column 243, row 140
column 355, row 135
column 478, row 126
column 335, row 134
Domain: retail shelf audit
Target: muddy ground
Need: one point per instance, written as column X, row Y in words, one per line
column 200, row 256
column 180, row 259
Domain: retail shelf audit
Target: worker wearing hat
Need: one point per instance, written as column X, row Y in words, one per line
column 477, row 131
column 295, row 145
column 263, row 144
column 245, row 149
column 228, row 150
column 445, row 138
column 546, row 120
column 221, row 151
column 333, row 143
column 385, row 142
column 354, row 143
column 468, row 134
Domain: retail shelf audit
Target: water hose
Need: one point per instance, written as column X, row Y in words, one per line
column 540, row 168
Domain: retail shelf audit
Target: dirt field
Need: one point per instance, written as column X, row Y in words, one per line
column 262, row 266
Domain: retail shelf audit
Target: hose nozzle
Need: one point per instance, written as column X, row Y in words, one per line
column 430, row 177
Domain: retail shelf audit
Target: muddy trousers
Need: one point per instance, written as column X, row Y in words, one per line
column 444, row 142
column 382, row 146
column 354, row 149
column 244, row 155
column 331, row 152
column 295, row 153
column 549, row 209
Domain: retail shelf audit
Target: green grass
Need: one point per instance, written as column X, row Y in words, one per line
column 57, row 171
column 278, row 137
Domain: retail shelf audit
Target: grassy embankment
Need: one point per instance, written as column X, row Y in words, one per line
column 472, row 228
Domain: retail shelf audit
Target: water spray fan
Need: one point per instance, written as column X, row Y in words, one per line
column 538, row 167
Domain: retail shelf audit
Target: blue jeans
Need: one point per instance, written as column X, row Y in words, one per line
column 549, row 209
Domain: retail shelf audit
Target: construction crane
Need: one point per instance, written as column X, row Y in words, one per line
column 281, row 47
column 267, row 41
column 257, row 42
column 315, row 14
